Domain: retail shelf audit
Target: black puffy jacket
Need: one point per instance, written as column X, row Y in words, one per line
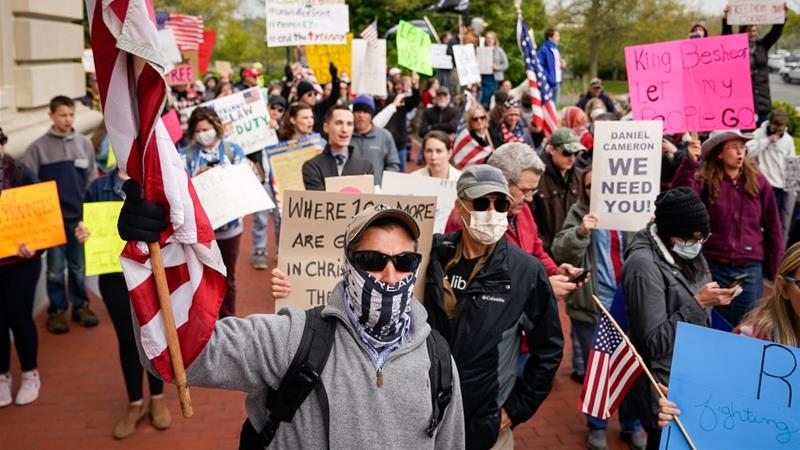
column 511, row 293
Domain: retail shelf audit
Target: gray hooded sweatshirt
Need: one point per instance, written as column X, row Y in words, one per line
column 249, row 354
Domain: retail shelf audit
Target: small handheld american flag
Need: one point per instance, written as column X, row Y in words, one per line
column 370, row 34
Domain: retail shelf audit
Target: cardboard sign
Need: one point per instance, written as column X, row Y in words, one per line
column 180, row 75
column 312, row 239
column 192, row 58
column 224, row 68
column 791, row 174
column 414, row 48
column 485, row 56
column 351, row 184
column 626, row 171
column 749, row 12
column 406, row 184
column 439, row 57
column 320, row 56
column 300, row 23
column 173, row 125
column 369, row 75
column 245, row 119
column 104, row 245
column 88, row 60
column 169, row 48
column 30, row 215
column 286, row 159
column 692, row 85
column 739, row 398
column 230, row 192
column 466, row 64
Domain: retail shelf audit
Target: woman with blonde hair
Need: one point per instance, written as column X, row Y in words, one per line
column 477, row 121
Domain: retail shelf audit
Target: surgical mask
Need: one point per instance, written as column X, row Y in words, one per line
column 687, row 251
column 206, row 138
column 596, row 113
column 487, row 227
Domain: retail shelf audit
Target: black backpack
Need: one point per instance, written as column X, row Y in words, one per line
column 303, row 376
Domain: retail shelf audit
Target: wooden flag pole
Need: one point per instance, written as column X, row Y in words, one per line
column 169, row 327
column 644, row 367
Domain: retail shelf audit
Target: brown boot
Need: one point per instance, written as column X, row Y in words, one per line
column 126, row 426
column 159, row 413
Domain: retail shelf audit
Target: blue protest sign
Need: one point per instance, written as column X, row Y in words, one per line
column 734, row 392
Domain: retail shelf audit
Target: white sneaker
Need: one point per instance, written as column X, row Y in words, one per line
column 5, row 389
column 29, row 391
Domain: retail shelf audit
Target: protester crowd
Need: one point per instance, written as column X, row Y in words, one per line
column 521, row 238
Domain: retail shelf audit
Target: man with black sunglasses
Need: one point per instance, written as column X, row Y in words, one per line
column 480, row 293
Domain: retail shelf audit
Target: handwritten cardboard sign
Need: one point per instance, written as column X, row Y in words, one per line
column 466, row 64
column 180, row 75
column 692, row 85
column 744, row 397
column 229, row 192
column 791, row 174
column 439, row 57
column 369, row 75
column 351, row 184
column 485, row 56
column 312, row 239
column 299, row 23
column 414, row 48
column 224, row 68
column 749, row 12
column 286, row 159
column 245, row 119
column 320, row 56
column 104, row 245
column 626, row 169
column 30, row 215
column 396, row 183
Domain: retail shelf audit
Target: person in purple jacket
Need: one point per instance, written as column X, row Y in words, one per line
column 746, row 236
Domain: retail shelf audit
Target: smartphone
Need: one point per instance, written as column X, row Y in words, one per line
column 738, row 280
column 580, row 277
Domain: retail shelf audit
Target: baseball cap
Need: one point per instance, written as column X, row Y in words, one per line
column 596, row 82
column 395, row 71
column 369, row 215
column 567, row 139
column 443, row 91
column 251, row 72
column 481, row 179
column 277, row 100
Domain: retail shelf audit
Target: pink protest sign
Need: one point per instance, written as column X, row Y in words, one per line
column 181, row 74
column 692, row 85
column 173, row 125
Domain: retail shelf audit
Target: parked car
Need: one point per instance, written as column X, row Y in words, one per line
column 788, row 68
column 775, row 62
column 793, row 75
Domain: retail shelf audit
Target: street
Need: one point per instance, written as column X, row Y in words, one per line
column 784, row 92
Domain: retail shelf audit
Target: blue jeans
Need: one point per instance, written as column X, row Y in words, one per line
column 752, row 288
column 488, row 87
column 402, row 153
column 556, row 88
column 261, row 221
column 70, row 257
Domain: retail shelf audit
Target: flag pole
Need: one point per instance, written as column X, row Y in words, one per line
column 644, row 367
column 171, row 332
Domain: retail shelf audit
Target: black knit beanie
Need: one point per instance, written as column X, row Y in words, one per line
column 681, row 213
column 303, row 88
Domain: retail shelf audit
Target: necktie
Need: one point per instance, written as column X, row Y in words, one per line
column 340, row 159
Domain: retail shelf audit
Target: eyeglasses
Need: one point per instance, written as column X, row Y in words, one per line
column 791, row 280
column 277, row 108
column 482, row 204
column 374, row 261
column 697, row 241
column 525, row 192
column 477, row 118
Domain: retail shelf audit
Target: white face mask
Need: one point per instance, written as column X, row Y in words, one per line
column 206, row 138
column 487, row 227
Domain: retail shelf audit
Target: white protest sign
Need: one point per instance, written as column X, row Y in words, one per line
column 369, row 67
column 168, row 45
column 300, row 23
column 229, row 192
column 406, row 184
column 312, row 239
column 439, row 57
column 467, row 64
column 626, row 170
column 791, row 174
column 748, row 12
column 88, row 60
column 485, row 60
column 245, row 119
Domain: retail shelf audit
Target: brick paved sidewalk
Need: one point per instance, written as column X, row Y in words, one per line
column 83, row 394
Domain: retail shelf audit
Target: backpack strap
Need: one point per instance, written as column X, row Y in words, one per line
column 441, row 376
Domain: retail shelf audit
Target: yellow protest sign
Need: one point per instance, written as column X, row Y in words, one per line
column 287, row 157
column 30, row 215
column 104, row 245
column 320, row 56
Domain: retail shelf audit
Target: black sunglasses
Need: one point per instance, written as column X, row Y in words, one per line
column 791, row 280
column 482, row 204
column 277, row 108
column 374, row 261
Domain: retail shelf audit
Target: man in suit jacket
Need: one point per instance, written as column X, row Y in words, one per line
column 337, row 159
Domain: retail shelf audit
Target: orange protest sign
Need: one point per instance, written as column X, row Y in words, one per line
column 30, row 215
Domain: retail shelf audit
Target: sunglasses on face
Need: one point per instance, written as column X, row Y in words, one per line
column 791, row 280
column 482, row 204
column 477, row 118
column 374, row 261
column 277, row 108
column 568, row 154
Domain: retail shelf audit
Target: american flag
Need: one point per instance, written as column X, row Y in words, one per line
column 370, row 34
column 188, row 30
column 544, row 111
column 466, row 150
column 611, row 369
column 130, row 74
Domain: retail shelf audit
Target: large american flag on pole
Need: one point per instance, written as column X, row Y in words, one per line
column 466, row 150
column 188, row 30
column 370, row 34
column 611, row 369
column 544, row 114
column 130, row 71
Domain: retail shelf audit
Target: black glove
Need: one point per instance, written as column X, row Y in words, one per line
column 333, row 70
column 139, row 219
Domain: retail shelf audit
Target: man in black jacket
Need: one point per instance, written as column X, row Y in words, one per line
column 596, row 91
column 441, row 116
column 337, row 159
column 481, row 292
